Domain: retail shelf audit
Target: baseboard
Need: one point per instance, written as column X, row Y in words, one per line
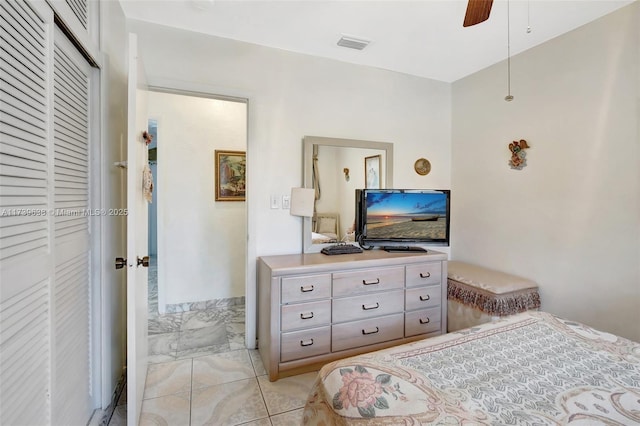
column 204, row 305
column 108, row 412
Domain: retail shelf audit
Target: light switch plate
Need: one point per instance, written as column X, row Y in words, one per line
column 286, row 201
column 275, row 202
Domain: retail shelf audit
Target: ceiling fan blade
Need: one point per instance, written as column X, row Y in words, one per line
column 477, row 11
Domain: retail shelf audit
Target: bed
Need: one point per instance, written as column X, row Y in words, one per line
column 530, row 368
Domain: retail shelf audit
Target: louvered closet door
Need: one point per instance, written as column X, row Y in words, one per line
column 25, row 228
column 45, row 358
column 80, row 11
column 81, row 18
column 71, row 396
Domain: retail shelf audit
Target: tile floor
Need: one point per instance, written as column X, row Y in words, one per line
column 200, row 373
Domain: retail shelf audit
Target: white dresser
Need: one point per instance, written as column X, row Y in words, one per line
column 314, row 308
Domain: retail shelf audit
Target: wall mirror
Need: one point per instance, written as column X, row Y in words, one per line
column 336, row 168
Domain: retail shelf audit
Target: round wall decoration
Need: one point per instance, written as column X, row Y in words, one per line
column 422, row 166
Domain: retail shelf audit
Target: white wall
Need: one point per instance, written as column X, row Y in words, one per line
column 114, row 129
column 293, row 95
column 201, row 242
column 569, row 220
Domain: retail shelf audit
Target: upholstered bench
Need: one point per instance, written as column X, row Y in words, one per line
column 477, row 295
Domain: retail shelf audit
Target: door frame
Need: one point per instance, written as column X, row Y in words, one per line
column 100, row 359
column 203, row 91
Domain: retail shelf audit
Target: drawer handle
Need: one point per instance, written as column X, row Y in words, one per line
column 370, row 332
column 427, row 321
column 306, row 316
column 306, row 289
column 425, row 276
column 307, row 343
column 424, row 299
column 367, row 308
column 377, row 281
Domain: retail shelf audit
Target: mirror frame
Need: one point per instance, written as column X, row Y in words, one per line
column 309, row 142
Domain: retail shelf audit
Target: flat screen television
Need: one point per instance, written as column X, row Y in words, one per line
column 406, row 216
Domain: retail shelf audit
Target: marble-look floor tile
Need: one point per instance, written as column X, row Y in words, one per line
column 152, row 292
column 119, row 417
column 168, row 323
column 221, row 368
column 236, row 315
column 200, row 319
column 203, row 351
column 290, row 418
column 163, row 347
column 168, row 378
column 228, row 404
column 256, row 360
column 122, row 399
column 166, row 410
column 286, row 394
column 236, row 336
column 152, row 310
column 260, row 422
column 156, row 359
column 233, row 302
column 202, row 337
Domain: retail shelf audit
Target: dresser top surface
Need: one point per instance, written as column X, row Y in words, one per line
column 318, row 262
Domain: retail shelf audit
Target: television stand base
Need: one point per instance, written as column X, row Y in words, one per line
column 403, row 248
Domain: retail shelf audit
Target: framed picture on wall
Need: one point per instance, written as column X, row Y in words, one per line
column 372, row 171
column 230, row 181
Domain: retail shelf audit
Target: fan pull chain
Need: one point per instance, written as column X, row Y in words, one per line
column 509, row 97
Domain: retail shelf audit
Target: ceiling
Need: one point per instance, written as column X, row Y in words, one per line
column 423, row 38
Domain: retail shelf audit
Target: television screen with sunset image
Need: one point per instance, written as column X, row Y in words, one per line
column 403, row 215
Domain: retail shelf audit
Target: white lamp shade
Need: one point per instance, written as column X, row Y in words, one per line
column 302, row 201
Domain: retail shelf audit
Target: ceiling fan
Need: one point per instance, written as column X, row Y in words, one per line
column 477, row 11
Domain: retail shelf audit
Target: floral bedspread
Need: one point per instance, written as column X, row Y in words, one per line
column 527, row 369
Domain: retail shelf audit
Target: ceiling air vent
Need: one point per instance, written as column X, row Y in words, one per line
column 353, row 42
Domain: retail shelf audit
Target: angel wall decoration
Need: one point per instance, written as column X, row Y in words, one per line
column 518, row 154
column 147, row 137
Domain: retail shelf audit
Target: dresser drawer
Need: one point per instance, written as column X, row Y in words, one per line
column 423, row 297
column 306, row 287
column 306, row 315
column 366, row 332
column 367, row 306
column 305, row 343
column 420, row 322
column 424, row 274
column 367, row 280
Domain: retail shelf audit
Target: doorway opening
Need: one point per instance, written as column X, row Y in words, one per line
column 153, row 218
column 197, row 244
